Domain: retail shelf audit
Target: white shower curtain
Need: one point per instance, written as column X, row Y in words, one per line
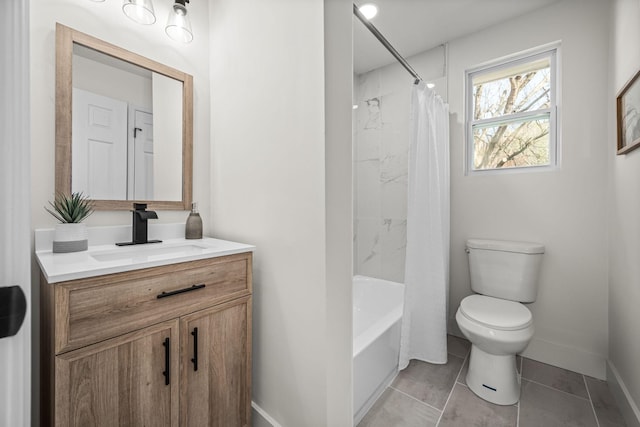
column 424, row 323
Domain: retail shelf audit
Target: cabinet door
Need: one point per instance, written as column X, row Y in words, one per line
column 131, row 380
column 216, row 366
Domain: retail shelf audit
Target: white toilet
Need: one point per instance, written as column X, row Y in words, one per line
column 505, row 274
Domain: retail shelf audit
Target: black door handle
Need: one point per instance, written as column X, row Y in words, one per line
column 13, row 307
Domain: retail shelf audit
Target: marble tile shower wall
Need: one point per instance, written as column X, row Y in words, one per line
column 381, row 134
column 381, row 167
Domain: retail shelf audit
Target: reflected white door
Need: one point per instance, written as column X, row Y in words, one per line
column 143, row 155
column 15, row 218
column 99, row 149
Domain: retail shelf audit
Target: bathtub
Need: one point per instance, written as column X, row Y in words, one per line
column 377, row 311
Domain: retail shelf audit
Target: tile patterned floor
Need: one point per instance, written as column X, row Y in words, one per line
column 427, row 395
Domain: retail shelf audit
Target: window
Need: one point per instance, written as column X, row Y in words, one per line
column 511, row 114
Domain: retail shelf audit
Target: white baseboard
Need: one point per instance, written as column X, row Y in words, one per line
column 628, row 407
column 571, row 358
column 260, row 417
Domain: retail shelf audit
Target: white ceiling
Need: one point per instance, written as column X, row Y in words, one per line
column 414, row 26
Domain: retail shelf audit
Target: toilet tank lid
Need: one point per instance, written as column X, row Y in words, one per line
column 506, row 246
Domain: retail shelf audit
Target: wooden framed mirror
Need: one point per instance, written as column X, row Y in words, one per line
column 124, row 126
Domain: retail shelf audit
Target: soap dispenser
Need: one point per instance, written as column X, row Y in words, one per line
column 193, row 230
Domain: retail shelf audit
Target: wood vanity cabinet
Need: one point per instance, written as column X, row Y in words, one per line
column 150, row 347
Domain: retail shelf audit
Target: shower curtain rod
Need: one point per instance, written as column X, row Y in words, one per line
column 386, row 44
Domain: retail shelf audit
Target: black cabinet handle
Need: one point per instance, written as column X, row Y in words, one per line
column 167, row 361
column 195, row 349
column 181, row 291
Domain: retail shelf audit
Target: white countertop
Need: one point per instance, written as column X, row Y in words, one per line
column 109, row 258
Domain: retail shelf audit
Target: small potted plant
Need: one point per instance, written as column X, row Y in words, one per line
column 71, row 234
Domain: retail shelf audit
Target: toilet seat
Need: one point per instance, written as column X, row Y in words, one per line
column 496, row 313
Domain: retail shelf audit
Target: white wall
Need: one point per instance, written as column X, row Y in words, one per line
column 114, row 82
column 563, row 209
column 270, row 189
column 381, row 148
column 167, row 131
column 338, row 71
column 106, row 21
column 624, row 210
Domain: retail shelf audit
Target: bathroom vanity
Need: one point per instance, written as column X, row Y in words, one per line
column 157, row 335
column 148, row 334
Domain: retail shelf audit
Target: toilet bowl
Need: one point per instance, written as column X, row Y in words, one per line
column 498, row 325
column 497, row 330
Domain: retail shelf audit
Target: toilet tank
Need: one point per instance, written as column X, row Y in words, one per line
column 505, row 269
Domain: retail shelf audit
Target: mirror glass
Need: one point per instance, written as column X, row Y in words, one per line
column 127, row 134
column 126, row 130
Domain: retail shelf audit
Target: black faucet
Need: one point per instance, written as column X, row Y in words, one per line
column 140, row 225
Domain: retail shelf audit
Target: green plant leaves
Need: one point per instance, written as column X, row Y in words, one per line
column 70, row 208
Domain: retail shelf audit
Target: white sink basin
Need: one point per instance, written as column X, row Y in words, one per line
column 148, row 252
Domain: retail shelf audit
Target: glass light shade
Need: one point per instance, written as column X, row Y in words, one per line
column 369, row 10
column 140, row 11
column 178, row 26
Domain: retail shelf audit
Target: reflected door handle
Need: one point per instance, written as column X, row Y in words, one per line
column 135, row 132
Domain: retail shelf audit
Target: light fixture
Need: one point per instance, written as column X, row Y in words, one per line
column 178, row 26
column 141, row 11
column 369, row 10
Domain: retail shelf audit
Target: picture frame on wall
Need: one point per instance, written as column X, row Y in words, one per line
column 628, row 115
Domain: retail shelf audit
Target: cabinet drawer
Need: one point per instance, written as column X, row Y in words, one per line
column 91, row 310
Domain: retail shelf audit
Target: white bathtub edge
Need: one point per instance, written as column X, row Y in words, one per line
column 377, row 321
column 362, row 341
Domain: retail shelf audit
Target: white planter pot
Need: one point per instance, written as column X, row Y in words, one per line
column 70, row 238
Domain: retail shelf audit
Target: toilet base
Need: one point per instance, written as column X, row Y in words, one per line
column 493, row 378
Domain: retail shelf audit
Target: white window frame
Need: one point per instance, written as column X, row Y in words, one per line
column 552, row 52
